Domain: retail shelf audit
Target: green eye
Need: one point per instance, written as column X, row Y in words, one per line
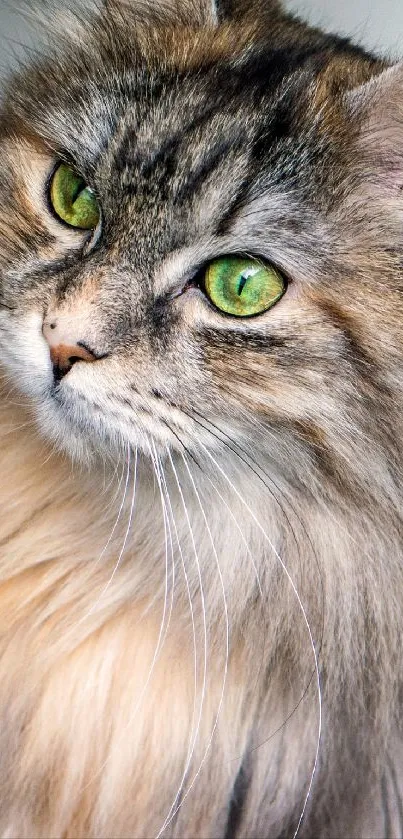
column 72, row 200
column 243, row 286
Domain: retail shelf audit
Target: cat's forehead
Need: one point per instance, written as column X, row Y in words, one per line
column 117, row 83
column 90, row 106
column 112, row 73
column 174, row 127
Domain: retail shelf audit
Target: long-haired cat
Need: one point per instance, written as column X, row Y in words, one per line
column 201, row 344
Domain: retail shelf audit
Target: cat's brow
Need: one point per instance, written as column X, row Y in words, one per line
column 206, row 164
column 128, row 153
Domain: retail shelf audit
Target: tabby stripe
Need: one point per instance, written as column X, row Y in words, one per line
column 212, row 158
column 129, row 156
column 360, row 358
column 239, row 793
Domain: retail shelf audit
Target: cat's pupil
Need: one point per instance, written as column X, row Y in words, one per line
column 242, row 283
column 80, row 187
column 245, row 276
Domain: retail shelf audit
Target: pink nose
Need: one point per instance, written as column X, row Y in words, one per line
column 63, row 358
column 65, row 350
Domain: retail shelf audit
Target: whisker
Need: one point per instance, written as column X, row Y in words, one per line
column 236, row 523
column 168, row 537
column 306, row 621
column 257, row 469
column 259, row 585
column 120, row 508
column 123, row 548
column 203, row 605
column 111, row 482
column 150, row 672
column 195, row 658
column 215, row 724
column 182, row 444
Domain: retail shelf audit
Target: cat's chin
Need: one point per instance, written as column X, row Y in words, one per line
column 73, row 435
column 85, row 430
column 90, row 414
column 87, row 435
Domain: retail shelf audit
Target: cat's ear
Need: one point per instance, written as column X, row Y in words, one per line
column 376, row 108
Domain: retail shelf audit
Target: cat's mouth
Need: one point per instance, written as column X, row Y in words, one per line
column 93, row 408
column 103, row 420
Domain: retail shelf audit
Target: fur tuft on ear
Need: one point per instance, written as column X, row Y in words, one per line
column 374, row 162
column 377, row 108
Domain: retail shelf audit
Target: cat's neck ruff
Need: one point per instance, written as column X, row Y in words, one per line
column 157, row 603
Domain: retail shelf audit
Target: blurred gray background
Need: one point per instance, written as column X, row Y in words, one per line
column 377, row 24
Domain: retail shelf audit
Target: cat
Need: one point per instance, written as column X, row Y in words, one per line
column 201, row 348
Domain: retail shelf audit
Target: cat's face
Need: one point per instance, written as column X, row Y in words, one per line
column 208, row 159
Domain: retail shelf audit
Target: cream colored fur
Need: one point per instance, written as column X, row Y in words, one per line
column 99, row 705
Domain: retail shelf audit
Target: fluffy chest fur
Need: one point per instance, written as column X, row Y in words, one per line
column 153, row 682
column 129, row 664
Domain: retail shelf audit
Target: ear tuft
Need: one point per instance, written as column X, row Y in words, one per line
column 375, row 117
column 377, row 109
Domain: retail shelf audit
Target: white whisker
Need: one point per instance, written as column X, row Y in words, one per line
column 202, row 598
column 251, row 557
column 236, row 523
column 192, row 727
column 157, row 651
column 122, row 503
column 123, row 548
column 168, row 539
column 112, row 481
column 306, row 621
column 203, row 760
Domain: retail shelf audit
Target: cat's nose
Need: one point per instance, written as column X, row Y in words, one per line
column 64, row 349
column 63, row 357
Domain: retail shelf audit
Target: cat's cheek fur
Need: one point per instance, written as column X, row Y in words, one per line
column 36, row 229
column 25, row 354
